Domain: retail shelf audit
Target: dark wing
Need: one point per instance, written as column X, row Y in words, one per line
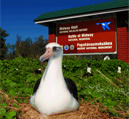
column 87, row 75
column 36, row 85
column 72, row 88
column 37, row 71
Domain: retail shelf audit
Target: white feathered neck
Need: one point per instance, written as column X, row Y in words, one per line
column 53, row 69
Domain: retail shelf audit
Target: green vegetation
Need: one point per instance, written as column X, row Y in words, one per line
column 98, row 88
column 112, row 93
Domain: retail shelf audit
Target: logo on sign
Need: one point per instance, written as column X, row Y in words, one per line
column 71, row 47
column 104, row 25
column 66, row 47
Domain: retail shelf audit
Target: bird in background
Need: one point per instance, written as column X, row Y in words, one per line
column 104, row 25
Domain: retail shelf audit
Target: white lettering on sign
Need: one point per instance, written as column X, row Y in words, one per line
column 70, row 31
column 72, row 39
column 91, row 47
column 83, row 29
column 84, row 38
column 64, row 28
column 94, row 44
column 81, row 48
column 74, row 27
column 72, row 36
column 79, row 37
column 87, row 35
column 63, row 31
column 105, row 47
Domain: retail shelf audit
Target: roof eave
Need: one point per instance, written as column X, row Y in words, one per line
column 46, row 21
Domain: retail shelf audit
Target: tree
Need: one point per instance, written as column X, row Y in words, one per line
column 27, row 50
column 23, row 48
column 17, row 46
column 38, row 47
column 11, row 51
column 3, row 48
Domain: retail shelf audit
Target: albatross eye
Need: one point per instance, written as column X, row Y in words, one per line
column 56, row 48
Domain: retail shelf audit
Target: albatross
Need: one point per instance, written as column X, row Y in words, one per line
column 54, row 94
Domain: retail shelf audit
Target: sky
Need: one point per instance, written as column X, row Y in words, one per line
column 16, row 16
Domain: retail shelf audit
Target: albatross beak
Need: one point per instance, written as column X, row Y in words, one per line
column 46, row 55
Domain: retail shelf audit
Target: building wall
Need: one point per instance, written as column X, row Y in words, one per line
column 123, row 44
column 52, row 33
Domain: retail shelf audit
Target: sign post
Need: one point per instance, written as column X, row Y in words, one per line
column 88, row 37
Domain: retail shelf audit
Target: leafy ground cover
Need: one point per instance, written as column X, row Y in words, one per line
column 106, row 87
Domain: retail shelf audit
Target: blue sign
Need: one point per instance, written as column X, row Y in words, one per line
column 66, row 47
column 104, row 25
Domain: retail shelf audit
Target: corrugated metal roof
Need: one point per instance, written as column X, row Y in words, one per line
column 83, row 10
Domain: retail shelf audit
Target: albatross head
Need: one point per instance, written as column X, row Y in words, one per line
column 53, row 50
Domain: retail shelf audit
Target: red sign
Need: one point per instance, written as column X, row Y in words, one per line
column 95, row 36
